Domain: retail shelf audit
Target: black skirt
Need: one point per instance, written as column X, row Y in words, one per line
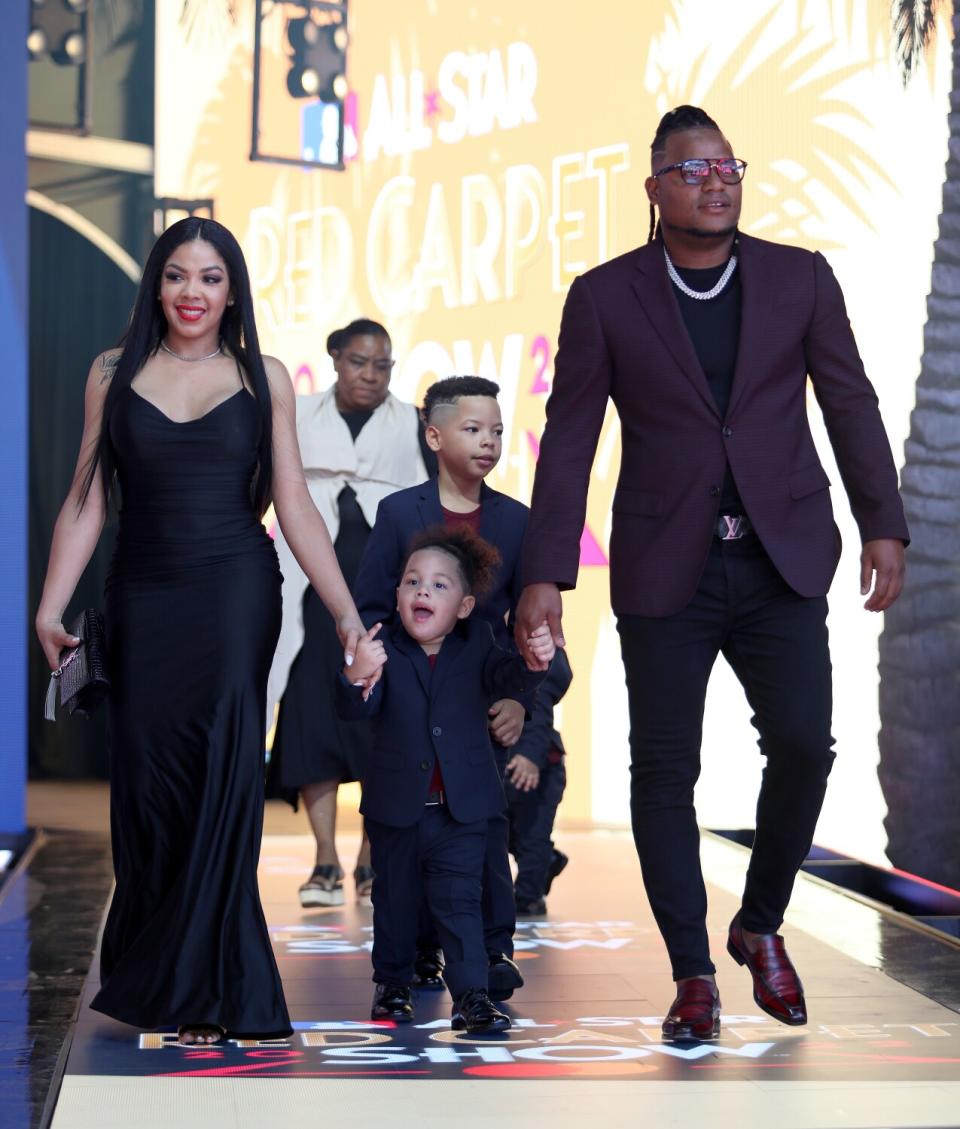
column 311, row 743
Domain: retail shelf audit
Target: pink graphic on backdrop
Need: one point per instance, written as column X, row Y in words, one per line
column 591, row 553
column 540, row 352
column 431, row 104
column 303, row 381
column 351, row 128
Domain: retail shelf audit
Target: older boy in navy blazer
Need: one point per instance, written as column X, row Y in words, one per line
column 432, row 783
column 465, row 430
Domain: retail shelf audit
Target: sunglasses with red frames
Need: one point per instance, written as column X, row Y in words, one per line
column 696, row 170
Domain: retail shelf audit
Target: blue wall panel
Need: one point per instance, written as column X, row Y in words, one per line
column 14, row 617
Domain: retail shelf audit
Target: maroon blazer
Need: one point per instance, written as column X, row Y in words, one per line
column 622, row 337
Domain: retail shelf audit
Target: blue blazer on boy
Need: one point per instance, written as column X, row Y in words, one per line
column 423, row 715
column 400, row 516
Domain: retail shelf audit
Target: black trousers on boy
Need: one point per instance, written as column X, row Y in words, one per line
column 532, row 815
column 441, row 861
column 499, row 908
column 776, row 643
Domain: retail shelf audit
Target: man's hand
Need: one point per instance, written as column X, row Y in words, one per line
column 522, row 773
column 540, row 603
column 885, row 558
column 506, row 721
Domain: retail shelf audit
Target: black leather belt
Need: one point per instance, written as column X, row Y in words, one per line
column 732, row 527
column 434, row 798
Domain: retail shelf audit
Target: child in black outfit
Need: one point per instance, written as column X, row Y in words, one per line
column 534, row 794
column 432, row 782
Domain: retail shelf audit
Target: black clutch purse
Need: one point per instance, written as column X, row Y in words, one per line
column 82, row 673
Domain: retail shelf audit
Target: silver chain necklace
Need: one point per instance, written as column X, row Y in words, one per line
column 191, row 360
column 701, row 295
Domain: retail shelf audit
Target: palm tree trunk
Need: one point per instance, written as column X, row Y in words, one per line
column 920, row 644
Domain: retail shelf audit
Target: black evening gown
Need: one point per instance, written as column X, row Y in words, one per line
column 192, row 616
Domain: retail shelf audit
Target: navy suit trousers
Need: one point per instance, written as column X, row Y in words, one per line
column 442, row 861
column 499, row 907
column 776, row 643
column 531, row 816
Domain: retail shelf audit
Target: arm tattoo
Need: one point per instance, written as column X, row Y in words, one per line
column 108, row 364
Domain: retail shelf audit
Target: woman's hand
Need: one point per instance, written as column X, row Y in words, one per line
column 350, row 631
column 540, row 646
column 53, row 638
column 506, row 721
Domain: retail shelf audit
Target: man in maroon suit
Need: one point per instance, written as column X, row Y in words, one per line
column 723, row 536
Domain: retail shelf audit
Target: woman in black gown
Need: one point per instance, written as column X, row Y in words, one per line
column 196, row 428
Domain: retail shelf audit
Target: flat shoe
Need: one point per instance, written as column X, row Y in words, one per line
column 428, row 970
column 474, row 1013
column 392, row 1001
column 503, row 977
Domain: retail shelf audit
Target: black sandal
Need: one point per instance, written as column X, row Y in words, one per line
column 203, row 1029
column 363, row 882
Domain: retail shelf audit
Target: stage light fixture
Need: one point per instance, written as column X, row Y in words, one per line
column 72, row 50
column 318, row 59
column 37, row 44
column 61, row 36
column 304, row 79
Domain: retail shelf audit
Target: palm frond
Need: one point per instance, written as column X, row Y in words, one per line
column 793, row 170
column 913, row 25
column 208, row 15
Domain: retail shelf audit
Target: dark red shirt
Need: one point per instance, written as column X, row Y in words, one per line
column 450, row 518
column 472, row 519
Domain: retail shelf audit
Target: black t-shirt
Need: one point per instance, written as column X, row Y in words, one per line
column 714, row 328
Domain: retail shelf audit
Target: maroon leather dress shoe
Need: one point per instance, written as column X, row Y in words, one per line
column 694, row 1015
column 776, row 985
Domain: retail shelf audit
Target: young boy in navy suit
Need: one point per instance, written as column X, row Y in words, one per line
column 431, row 782
column 465, row 429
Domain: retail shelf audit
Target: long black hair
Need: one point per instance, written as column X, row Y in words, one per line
column 147, row 327
column 676, row 121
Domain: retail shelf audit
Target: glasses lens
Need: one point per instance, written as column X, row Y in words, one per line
column 730, row 172
column 695, row 171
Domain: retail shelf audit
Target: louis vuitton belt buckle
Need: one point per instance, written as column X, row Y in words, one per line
column 732, row 527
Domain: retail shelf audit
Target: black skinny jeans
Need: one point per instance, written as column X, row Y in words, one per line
column 776, row 643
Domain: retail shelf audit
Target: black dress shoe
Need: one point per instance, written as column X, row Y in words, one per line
column 557, row 865
column 503, row 977
column 694, row 1015
column 531, row 907
column 428, row 969
column 392, row 1001
column 474, row 1013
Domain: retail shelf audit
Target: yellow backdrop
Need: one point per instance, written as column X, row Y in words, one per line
column 498, row 150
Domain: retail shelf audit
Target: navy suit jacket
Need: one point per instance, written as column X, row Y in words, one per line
column 400, row 516
column 622, row 337
column 423, row 715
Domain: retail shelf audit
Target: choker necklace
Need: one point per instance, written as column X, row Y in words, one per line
column 700, row 295
column 195, row 360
